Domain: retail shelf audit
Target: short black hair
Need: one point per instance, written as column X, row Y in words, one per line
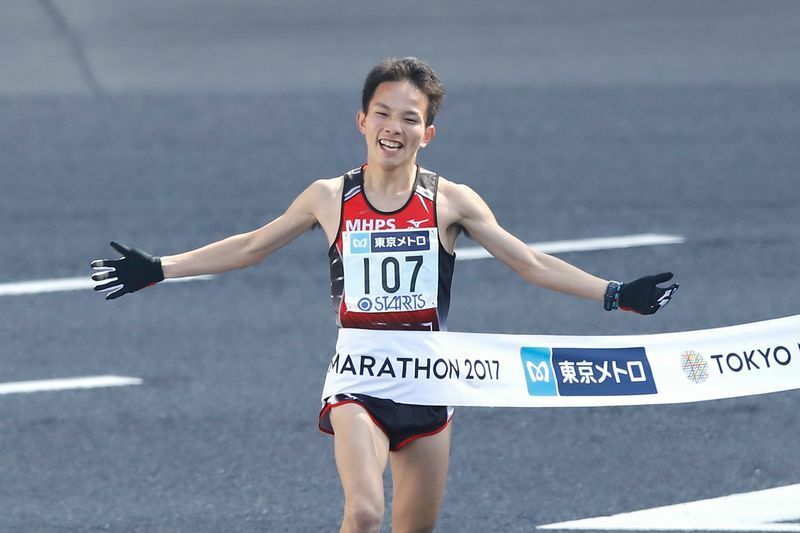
column 411, row 69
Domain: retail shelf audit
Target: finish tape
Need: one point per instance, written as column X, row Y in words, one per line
column 494, row 370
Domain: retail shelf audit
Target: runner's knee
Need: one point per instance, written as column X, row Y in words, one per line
column 363, row 514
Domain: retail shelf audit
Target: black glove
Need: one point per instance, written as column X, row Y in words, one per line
column 644, row 297
column 136, row 270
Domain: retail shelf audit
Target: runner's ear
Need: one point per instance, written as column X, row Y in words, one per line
column 430, row 132
column 361, row 121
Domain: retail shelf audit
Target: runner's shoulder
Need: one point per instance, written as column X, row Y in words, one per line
column 457, row 195
column 326, row 189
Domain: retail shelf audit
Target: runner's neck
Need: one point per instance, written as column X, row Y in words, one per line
column 388, row 190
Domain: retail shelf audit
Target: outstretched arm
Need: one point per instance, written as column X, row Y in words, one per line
column 472, row 213
column 137, row 269
column 247, row 249
column 538, row 268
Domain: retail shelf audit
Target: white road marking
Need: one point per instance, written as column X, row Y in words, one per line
column 65, row 284
column 582, row 245
column 87, row 382
column 750, row 511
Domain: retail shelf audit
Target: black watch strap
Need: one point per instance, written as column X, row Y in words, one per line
column 611, row 299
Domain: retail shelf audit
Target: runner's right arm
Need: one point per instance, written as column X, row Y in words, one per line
column 247, row 249
column 138, row 269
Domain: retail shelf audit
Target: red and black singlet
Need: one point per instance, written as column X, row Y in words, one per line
column 389, row 269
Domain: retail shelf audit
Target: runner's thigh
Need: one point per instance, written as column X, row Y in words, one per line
column 419, row 477
column 361, row 451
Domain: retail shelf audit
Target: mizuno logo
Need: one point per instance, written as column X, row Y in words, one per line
column 416, row 223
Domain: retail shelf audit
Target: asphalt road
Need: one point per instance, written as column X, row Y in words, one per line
column 167, row 125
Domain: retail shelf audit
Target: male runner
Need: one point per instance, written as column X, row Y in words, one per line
column 389, row 197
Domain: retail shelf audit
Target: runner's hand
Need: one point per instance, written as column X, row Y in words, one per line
column 644, row 297
column 136, row 270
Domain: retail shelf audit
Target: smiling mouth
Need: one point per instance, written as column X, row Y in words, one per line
column 391, row 146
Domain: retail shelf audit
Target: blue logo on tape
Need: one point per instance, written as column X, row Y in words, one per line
column 587, row 371
column 539, row 371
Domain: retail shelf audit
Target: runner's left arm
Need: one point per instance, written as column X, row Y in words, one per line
column 642, row 296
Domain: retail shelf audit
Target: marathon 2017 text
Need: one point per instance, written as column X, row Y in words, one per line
column 416, row 367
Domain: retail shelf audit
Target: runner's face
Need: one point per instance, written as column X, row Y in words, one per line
column 394, row 125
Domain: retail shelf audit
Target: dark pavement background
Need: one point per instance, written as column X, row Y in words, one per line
column 167, row 125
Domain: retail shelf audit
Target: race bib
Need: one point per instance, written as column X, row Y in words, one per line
column 390, row 270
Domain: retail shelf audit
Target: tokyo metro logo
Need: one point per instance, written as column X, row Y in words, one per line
column 359, row 243
column 539, row 372
column 587, row 371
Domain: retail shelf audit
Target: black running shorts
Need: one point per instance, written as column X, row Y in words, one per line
column 402, row 423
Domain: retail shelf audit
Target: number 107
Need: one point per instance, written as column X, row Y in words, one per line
column 390, row 273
